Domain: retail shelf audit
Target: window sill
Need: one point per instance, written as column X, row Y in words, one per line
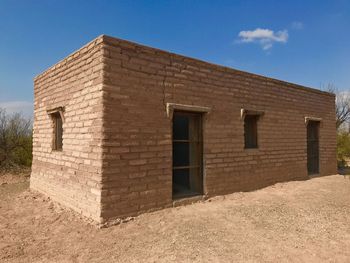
column 56, row 151
column 252, row 151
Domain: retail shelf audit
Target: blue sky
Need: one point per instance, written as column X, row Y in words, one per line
column 305, row 42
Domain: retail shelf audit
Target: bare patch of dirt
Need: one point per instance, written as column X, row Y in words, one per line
column 21, row 175
column 13, row 183
column 307, row 221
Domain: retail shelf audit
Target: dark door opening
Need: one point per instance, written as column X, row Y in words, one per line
column 187, row 154
column 313, row 147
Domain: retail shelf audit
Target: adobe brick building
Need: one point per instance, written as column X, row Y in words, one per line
column 121, row 129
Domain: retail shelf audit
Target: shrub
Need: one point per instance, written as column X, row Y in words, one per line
column 343, row 147
column 15, row 140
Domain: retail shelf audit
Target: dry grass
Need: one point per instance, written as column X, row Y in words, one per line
column 307, row 221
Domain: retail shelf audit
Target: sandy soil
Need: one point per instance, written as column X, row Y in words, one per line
column 307, row 221
column 11, row 178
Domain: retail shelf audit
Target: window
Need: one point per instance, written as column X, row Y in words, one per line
column 58, row 131
column 251, row 131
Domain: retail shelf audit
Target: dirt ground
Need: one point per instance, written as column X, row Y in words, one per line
column 304, row 221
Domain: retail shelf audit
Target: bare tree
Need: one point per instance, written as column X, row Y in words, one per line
column 15, row 139
column 342, row 105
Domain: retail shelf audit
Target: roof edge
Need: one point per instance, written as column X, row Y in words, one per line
column 63, row 61
column 226, row 68
column 101, row 38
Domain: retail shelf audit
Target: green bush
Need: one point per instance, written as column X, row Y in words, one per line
column 343, row 147
column 15, row 140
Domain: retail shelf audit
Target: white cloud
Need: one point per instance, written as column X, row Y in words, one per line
column 25, row 107
column 297, row 25
column 265, row 37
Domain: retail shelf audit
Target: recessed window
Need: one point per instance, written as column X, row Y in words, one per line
column 251, row 131
column 58, row 131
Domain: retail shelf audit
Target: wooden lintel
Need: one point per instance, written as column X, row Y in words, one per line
column 245, row 112
column 308, row 118
column 170, row 107
column 59, row 110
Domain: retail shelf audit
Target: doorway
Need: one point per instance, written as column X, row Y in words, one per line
column 187, row 154
column 313, row 147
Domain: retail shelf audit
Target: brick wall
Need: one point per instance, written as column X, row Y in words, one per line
column 139, row 81
column 117, row 149
column 71, row 176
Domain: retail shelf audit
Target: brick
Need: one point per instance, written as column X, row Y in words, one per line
column 117, row 149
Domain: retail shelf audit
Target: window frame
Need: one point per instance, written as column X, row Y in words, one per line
column 57, row 119
column 256, row 114
column 251, row 137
